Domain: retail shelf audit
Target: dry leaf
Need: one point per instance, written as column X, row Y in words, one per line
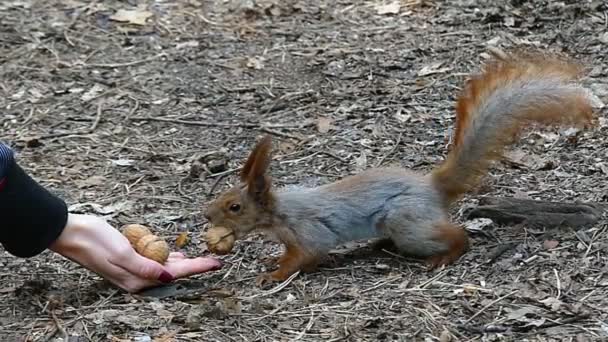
column 135, row 17
column 286, row 147
column 552, row 302
column 391, row 8
column 433, row 69
column 168, row 337
column 123, row 162
column 478, row 224
column 445, row 336
column 550, row 244
column 324, row 124
column 361, row 162
column 254, row 63
column 182, row 240
column 91, row 181
column 92, row 93
column 521, row 314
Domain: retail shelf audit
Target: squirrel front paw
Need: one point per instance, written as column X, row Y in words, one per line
column 265, row 279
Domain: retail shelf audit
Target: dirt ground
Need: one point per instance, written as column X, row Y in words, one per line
column 143, row 111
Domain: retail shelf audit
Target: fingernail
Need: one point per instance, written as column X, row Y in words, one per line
column 165, row 277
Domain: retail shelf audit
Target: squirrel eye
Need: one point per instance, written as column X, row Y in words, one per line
column 235, row 207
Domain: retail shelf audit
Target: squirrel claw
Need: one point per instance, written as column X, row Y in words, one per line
column 264, row 279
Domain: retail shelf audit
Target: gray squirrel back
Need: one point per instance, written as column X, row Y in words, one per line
column 355, row 208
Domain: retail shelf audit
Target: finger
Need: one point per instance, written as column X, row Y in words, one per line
column 187, row 267
column 176, row 255
column 144, row 268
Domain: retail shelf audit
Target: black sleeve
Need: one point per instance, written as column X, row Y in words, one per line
column 31, row 217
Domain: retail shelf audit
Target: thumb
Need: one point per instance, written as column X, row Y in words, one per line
column 146, row 268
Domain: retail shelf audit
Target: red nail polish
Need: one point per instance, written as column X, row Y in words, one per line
column 165, row 277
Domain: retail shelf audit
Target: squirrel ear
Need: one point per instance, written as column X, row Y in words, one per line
column 258, row 183
column 262, row 146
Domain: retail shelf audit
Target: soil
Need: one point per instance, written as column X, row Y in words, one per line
column 142, row 112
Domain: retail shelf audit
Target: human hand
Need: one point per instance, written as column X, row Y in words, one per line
column 91, row 242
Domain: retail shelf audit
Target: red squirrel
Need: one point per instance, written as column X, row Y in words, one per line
column 406, row 208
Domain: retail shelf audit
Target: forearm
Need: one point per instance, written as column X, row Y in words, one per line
column 31, row 217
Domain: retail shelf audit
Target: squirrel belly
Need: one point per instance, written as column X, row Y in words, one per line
column 378, row 203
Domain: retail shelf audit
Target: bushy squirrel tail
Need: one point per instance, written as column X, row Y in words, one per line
column 512, row 92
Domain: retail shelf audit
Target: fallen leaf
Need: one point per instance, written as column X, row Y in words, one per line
column 168, row 337
column 123, row 162
column 182, row 240
column 254, row 63
column 552, row 302
column 534, row 162
column 478, row 224
column 221, row 293
column 521, row 313
column 536, row 322
column 286, row 147
column 361, row 162
column 433, row 69
column 8, row 289
column 136, row 17
column 92, row 93
column 324, row 124
column 390, row 8
column 99, row 209
column 403, row 118
column 550, row 244
column 91, row 181
column 571, row 131
column 445, row 336
column 191, row 43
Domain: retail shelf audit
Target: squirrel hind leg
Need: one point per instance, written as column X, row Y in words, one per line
column 437, row 242
column 454, row 238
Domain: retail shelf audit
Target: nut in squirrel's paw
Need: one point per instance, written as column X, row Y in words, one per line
column 146, row 243
column 220, row 240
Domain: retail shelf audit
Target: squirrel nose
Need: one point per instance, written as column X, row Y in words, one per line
column 206, row 216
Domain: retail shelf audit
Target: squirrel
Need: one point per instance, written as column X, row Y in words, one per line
column 406, row 208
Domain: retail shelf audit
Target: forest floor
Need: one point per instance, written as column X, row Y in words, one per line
column 143, row 111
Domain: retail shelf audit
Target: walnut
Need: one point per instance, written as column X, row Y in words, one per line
column 220, row 240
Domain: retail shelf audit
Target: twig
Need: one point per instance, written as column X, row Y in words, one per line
column 277, row 289
column 217, row 182
column 342, row 160
column 311, row 321
column 278, row 133
column 59, row 326
column 553, row 323
column 390, row 280
column 498, row 251
column 559, row 284
column 426, row 283
column 97, row 119
column 488, row 306
column 266, row 128
column 224, row 173
column 197, row 123
column 126, row 64
column 76, row 133
column 391, row 151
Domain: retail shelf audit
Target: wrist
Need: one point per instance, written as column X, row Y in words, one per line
column 73, row 236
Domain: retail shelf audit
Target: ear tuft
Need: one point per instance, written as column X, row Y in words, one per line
column 258, row 182
column 261, row 150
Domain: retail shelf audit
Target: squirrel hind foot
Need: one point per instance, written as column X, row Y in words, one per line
column 457, row 241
